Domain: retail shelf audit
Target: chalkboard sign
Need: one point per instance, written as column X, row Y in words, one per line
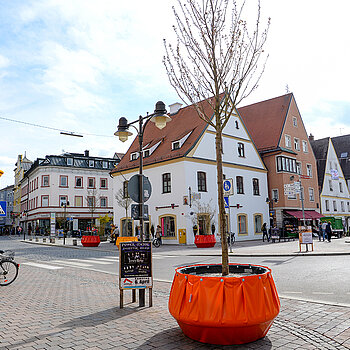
column 135, row 265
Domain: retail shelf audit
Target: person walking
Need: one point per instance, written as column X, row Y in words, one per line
column 324, row 225
column 264, row 231
column 329, row 231
column 159, row 234
column 320, row 231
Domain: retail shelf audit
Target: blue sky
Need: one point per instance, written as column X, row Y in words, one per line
column 80, row 65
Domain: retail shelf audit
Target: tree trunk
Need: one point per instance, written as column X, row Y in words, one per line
column 222, row 216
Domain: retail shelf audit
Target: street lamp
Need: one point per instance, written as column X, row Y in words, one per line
column 64, row 206
column 273, row 200
column 160, row 118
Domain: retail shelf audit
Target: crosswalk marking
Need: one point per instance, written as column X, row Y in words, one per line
column 293, row 292
column 112, row 258
column 71, row 263
column 44, row 266
column 94, row 261
column 322, row 293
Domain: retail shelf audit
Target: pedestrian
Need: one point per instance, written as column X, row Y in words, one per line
column 264, row 231
column 159, row 234
column 117, row 231
column 320, row 231
column 329, row 231
column 324, row 225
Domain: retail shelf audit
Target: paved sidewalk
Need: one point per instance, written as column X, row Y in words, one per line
column 79, row 309
column 338, row 246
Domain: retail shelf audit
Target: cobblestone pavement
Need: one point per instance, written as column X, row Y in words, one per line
column 79, row 309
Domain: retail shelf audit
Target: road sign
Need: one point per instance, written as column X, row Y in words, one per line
column 227, row 203
column 228, row 187
column 3, row 208
column 133, row 188
column 135, row 211
column 297, row 185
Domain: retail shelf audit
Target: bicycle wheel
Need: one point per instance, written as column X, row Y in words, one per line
column 156, row 243
column 8, row 272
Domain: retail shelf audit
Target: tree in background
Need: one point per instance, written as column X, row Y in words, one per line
column 216, row 61
column 123, row 200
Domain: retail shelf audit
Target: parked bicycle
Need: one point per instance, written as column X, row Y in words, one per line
column 8, row 267
column 231, row 238
column 156, row 242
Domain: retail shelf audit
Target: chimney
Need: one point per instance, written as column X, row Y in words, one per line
column 174, row 108
column 86, row 153
column 311, row 137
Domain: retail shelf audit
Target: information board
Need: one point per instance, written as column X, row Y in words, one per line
column 135, row 265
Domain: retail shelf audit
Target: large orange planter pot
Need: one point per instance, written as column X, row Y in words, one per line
column 204, row 241
column 90, row 241
column 224, row 310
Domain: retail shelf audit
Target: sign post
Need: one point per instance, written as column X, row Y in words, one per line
column 135, row 269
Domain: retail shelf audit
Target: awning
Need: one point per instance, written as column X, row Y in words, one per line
column 309, row 214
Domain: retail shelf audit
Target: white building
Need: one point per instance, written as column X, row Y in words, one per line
column 334, row 192
column 71, row 186
column 179, row 161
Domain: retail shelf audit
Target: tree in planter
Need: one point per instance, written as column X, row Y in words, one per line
column 203, row 217
column 216, row 60
column 92, row 200
column 123, row 200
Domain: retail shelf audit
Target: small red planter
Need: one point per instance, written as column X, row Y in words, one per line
column 90, row 241
column 224, row 310
column 204, row 241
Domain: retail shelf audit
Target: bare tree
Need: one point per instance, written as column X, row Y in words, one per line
column 205, row 213
column 92, row 200
column 215, row 62
column 124, row 201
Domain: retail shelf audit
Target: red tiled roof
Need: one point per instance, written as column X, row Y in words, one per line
column 186, row 120
column 264, row 120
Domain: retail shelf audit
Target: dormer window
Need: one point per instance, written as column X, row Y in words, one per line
column 69, row 161
column 146, row 153
column 178, row 143
column 133, row 156
column 175, row 145
column 91, row 163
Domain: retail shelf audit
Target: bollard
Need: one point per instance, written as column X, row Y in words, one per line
column 75, row 242
column 36, row 239
column 44, row 240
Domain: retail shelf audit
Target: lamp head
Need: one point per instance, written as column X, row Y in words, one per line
column 160, row 118
column 123, row 130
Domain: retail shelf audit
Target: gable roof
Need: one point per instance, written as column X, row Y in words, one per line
column 342, row 147
column 183, row 122
column 266, row 115
column 320, row 148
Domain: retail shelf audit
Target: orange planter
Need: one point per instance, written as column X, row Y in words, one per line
column 90, row 241
column 224, row 310
column 204, row 241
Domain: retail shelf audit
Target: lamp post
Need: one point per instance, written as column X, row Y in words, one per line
column 160, row 118
column 301, row 195
column 273, row 200
column 64, row 206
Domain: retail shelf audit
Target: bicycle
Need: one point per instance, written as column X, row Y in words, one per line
column 156, row 242
column 231, row 238
column 8, row 267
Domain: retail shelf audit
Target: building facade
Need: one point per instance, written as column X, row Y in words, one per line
column 6, row 194
column 70, row 187
column 180, row 163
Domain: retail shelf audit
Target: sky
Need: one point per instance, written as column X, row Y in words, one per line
column 81, row 65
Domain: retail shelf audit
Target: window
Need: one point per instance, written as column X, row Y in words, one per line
column 237, row 125
column 91, row 182
column 125, row 189
column 78, row 201
column 239, row 184
column 240, row 149
column 104, row 164
column 44, row 201
column 63, row 200
column 103, row 202
column 69, row 161
column 78, row 181
column 242, row 224
column 348, row 204
column 203, row 224
column 309, row 170
column 202, row 181
column 296, row 144
column 311, row 195
column 133, row 156
column 146, row 153
column 91, row 163
column 305, row 147
column 168, row 226
column 103, row 183
column 176, row 145
column 45, row 181
column 298, row 168
column 340, row 187
column 288, row 142
column 166, row 183
column 256, row 191
column 330, row 182
column 335, row 206
column 91, row 201
column 63, row 181
column 275, row 195
column 295, row 122
column 327, row 204
column 286, row 164
column 257, row 223
column 342, row 206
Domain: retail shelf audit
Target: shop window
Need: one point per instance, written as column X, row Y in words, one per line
column 168, row 226
column 242, row 224
column 202, row 181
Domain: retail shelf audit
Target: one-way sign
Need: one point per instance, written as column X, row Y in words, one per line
column 3, row 211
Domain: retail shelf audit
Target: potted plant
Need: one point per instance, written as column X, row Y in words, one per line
column 212, row 67
column 90, row 239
